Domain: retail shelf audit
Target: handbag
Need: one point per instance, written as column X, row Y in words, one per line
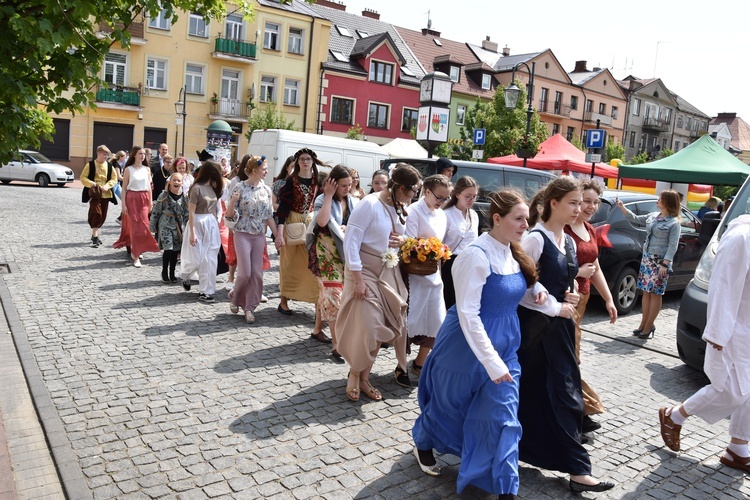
column 535, row 324
column 231, row 222
column 294, row 233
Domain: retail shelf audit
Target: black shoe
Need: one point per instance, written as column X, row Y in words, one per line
column 585, row 439
column 173, row 279
column 164, row 277
column 507, row 496
column 98, row 241
column 402, row 378
column 576, row 487
column 337, row 357
column 208, row 299
column 186, row 285
column 94, row 243
column 648, row 335
column 285, row 312
column 427, row 462
column 590, row 425
column 637, row 332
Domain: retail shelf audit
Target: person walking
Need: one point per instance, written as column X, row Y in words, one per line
column 727, row 362
column 168, row 219
column 662, row 238
column 160, row 170
column 98, row 177
column 462, row 413
column 462, row 230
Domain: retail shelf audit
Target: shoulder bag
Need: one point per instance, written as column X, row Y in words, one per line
column 295, row 232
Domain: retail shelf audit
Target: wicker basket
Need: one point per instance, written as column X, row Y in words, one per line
column 420, row 268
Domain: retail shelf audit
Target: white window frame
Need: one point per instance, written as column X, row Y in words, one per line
column 272, row 36
column 291, row 92
column 375, row 74
column 230, row 84
column 268, row 85
column 117, row 68
column 296, row 43
column 160, row 22
column 197, row 21
column 353, row 108
column 486, row 81
column 158, row 70
column 460, row 114
column 234, row 27
column 455, row 75
column 195, row 78
column 387, row 118
column 636, row 107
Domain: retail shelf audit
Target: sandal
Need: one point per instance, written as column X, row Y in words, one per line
column 417, row 369
column 670, row 432
column 402, row 378
column 369, row 391
column 352, row 392
column 735, row 461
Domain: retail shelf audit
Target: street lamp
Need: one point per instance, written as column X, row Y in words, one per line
column 513, row 93
column 180, row 108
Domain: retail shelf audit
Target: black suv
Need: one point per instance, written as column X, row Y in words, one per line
column 621, row 245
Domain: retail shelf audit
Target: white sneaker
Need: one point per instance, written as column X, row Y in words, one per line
column 137, row 263
column 263, row 299
column 229, row 285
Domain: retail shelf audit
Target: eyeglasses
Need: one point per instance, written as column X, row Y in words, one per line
column 469, row 197
column 306, row 159
column 440, row 199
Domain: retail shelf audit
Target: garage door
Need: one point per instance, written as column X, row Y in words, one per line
column 115, row 136
column 59, row 148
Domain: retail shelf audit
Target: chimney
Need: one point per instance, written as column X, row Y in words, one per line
column 487, row 45
column 727, row 115
column 332, row 4
column 506, row 51
column 580, row 67
column 428, row 31
column 596, row 68
column 371, row 14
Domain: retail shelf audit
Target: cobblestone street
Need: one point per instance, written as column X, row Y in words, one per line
column 150, row 393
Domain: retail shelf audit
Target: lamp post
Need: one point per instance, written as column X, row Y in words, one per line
column 513, row 93
column 180, row 108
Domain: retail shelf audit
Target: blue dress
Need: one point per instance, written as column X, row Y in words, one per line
column 466, row 414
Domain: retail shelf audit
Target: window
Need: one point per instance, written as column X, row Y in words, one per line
column 362, row 34
column 381, row 72
column 409, row 120
column 646, row 111
column 194, row 78
column 230, row 84
column 574, row 102
column 636, row 107
column 377, row 116
column 570, row 133
column 343, row 31
column 295, row 41
column 687, row 123
column 558, row 102
column 543, row 100
column 460, row 114
column 233, row 27
column 198, row 26
column 676, row 145
column 663, row 144
column 156, row 74
column 160, row 21
column 589, row 105
column 615, row 112
column 114, row 68
column 486, row 81
column 455, row 73
column 631, row 143
column 291, row 92
column 271, row 36
column 339, row 56
column 267, row 89
column 667, row 115
column 555, row 128
column 679, row 121
column 342, row 110
column 602, row 108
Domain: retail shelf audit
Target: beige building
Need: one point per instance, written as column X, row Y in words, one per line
column 228, row 68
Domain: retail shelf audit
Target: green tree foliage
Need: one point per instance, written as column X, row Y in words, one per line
column 355, row 133
column 51, row 56
column 641, row 157
column 615, row 151
column 666, row 152
column 268, row 117
column 576, row 141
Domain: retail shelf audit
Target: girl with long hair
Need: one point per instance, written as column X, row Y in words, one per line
column 357, row 190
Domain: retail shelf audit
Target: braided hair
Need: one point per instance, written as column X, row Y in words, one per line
column 405, row 176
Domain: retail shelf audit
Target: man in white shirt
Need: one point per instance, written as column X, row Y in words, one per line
column 727, row 363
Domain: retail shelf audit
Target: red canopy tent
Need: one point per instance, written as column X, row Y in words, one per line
column 556, row 153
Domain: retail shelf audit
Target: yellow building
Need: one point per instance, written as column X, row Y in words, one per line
column 228, row 68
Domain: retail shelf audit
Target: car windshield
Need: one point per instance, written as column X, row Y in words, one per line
column 36, row 157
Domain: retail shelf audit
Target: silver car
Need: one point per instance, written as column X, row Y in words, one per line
column 35, row 167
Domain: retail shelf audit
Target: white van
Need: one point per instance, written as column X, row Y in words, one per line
column 278, row 145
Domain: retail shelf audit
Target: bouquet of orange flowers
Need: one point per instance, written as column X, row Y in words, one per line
column 421, row 255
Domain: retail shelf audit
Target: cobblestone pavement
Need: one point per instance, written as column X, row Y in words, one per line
column 159, row 395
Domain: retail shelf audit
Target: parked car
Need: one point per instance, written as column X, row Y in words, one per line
column 489, row 176
column 621, row 245
column 691, row 318
column 35, row 167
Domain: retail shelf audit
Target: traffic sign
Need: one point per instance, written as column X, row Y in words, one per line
column 593, row 158
column 595, row 138
column 479, row 135
column 477, row 154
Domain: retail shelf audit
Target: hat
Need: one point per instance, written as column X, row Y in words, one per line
column 204, row 155
column 444, row 163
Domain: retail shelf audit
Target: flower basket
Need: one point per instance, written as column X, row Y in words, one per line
column 422, row 256
column 525, row 153
column 421, row 268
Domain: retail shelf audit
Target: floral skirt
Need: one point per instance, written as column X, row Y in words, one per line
column 326, row 264
column 648, row 277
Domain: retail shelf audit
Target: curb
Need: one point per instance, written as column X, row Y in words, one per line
column 68, row 470
column 625, row 340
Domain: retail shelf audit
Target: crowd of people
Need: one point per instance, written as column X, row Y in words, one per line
column 497, row 325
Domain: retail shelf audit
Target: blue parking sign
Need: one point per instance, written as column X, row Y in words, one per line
column 595, row 138
column 479, row 134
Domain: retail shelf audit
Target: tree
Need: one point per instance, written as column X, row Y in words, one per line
column 666, row 152
column 615, row 151
column 268, row 117
column 641, row 157
column 355, row 133
column 51, row 56
column 576, row 141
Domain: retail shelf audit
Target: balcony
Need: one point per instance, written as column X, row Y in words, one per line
column 230, row 109
column 236, row 50
column 655, row 124
column 136, row 30
column 554, row 108
column 592, row 117
column 118, row 97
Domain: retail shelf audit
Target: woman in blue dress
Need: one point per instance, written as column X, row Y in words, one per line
column 468, row 389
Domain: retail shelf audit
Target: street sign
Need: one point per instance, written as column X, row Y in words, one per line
column 477, row 154
column 479, row 135
column 595, row 138
column 592, row 158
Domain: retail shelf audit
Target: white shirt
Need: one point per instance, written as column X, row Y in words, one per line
column 140, row 179
column 470, row 273
column 369, row 224
column 187, row 181
column 461, row 231
column 424, row 222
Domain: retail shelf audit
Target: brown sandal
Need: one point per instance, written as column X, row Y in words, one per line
column 369, row 391
column 351, row 392
column 736, row 462
column 670, row 432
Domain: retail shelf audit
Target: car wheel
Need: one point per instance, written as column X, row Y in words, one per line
column 625, row 291
column 5, row 181
column 42, row 180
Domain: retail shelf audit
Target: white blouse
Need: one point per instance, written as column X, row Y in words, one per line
column 140, row 178
column 424, row 222
column 369, row 224
column 462, row 231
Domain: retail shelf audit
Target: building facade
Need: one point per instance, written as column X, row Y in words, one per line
column 689, row 124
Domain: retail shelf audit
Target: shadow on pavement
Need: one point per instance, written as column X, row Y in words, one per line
column 663, row 380
column 62, row 245
column 298, row 352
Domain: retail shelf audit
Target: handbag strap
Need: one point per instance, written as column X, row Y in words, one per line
column 571, row 265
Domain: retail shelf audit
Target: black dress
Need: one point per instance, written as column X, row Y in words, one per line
column 551, row 405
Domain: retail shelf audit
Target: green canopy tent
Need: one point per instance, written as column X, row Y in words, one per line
column 703, row 162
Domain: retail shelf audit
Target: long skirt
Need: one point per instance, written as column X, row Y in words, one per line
column 204, row 255
column 297, row 282
column 363, row 324
column 426, row 305
column 248, row 284
column 134, row 232
column 328, row 267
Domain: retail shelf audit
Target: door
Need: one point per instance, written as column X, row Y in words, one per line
column 115, row 136
column 689, row 249
column 152, row 137
column 23, row 168
column 59, row 148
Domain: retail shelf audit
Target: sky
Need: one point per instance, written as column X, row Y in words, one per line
column 698, row 49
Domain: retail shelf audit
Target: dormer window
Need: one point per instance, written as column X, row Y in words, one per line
column 486, row 81
column 381, row 72
column 455, row 73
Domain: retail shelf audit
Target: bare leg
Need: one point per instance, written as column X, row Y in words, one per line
column 319, row 323
column 232, row 270
column 352, row 385
column 653, row 311
column 283, row 302
column 332, row 327
column 422, row 355
column 645, row 305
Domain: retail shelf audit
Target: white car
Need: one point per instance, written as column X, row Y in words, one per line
column 35, row 167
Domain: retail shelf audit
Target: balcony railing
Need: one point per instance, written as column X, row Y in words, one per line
column 135, row 29
column 239, row 48
column 652, row 123
column 119, row 94
column 591, row 117
column 231, row 108
column 554, row 108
